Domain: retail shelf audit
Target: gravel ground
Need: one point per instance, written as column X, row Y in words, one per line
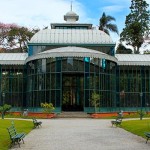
column 81, row 134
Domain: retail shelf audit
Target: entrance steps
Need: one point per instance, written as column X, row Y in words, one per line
column 73, row 115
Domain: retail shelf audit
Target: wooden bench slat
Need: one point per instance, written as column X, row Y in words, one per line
column 116, row 122
column 14, row 136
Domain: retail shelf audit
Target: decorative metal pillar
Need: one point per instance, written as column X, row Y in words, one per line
column 141, row 111
column 3, row 102
column 141, row 95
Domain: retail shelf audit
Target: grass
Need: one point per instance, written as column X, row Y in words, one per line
column 137, row 127
column 21, row 126
column 135, row 115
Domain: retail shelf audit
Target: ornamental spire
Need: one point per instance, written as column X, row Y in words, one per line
column 71, row 16
column 71, row 5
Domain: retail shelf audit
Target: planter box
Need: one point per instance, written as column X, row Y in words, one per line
column 103, row 115
column 41, row 115
column 33, row 114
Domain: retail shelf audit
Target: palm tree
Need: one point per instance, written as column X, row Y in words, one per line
column 106, row 26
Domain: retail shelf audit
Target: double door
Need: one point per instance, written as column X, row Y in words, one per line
column 72, row 92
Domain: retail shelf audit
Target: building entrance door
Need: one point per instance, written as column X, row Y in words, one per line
column 72, row 92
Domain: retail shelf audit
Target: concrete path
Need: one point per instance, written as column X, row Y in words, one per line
column 81, row 134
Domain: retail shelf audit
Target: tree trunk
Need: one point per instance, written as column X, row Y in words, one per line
column 136, row 50
column 2, row 115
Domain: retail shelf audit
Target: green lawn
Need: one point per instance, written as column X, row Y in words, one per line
column 21, row 126
column 137, row 127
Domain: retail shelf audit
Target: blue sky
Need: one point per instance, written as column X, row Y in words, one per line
column 40, row 13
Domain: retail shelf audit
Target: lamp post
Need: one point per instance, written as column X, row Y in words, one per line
column 141, row 113
column 3, row 95
column 141, row 95
column 122, row 98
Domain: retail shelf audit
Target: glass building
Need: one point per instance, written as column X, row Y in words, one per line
column 66, row 64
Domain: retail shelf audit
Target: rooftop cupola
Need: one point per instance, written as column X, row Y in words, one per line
column 71, row 16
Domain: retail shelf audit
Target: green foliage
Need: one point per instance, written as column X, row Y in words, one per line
column 21, row 126
column 137, row 127
column 20, row 34
column 146, row 52
column 106, row 26
column 136, row 25
column 66, row 98
column 15, row 38
column 141, row 113
column 95, row 100
column 47, row 107
column 121, row 49
column 4, row 109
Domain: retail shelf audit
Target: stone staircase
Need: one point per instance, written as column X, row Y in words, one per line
column 72, row 115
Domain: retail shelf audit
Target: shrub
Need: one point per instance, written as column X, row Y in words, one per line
column 47, row 107
column 141, row 114
column 95, row 98
column 4, row 109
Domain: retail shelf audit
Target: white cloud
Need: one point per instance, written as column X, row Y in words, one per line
column 114, row 8
column 125, row 3
column 36, row 12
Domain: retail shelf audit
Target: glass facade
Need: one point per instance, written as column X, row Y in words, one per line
column 12, row 89
column 72, row 27
column 133, row 90
column 68, row 83
column 33, row 50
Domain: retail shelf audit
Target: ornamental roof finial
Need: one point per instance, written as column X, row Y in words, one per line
column 71, row 5
column 71, row 16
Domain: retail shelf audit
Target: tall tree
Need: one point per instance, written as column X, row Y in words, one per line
column 106, row 25
column 19, row 36
column 4, row 30
column 137, row 25
column 14, row 37
column 121, row 49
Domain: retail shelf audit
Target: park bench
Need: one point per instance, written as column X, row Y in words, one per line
column 36, row 123
column 147, row 134
column 116, row 122
column 14, row 136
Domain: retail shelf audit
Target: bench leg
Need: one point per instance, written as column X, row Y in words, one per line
column 39, row 125
column 18, row 142
column 23, row 141
column 147, row 140
column 112, row 123
column 12, row 143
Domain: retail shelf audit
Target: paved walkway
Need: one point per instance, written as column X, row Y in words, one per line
column 81, row 134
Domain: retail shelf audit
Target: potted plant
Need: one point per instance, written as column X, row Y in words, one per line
column 141, row 114
column 47, row 108
column 95, row 98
